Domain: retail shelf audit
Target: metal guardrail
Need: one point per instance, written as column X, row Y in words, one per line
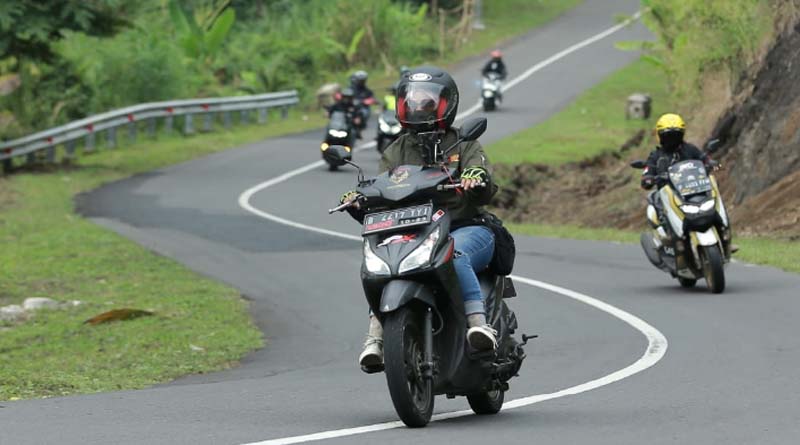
column 130, row 117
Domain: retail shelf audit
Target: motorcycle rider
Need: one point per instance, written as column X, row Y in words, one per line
column 670, row 129
column 361, row 93
column 495, row 65
column 345, row 102
column 427, row 102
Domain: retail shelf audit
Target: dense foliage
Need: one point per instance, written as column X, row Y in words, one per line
column 60, row 61
column 695, row 36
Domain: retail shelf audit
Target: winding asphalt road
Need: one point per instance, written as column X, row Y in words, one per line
column 730, row 375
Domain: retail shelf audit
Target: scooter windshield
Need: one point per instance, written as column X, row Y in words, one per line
column 689, row 178
column 338, row 120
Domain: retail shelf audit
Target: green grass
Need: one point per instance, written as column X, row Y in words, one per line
column 783, row 254
column 47, row 250
column 505, row 19
column 595, row 122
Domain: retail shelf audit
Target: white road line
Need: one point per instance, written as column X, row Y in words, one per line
column 656, row 342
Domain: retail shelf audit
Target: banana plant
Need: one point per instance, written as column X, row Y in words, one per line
column 202, row 36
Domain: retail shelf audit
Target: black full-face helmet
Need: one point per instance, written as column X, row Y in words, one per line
column 427, row 99
column 359, row 79
column 345, row 96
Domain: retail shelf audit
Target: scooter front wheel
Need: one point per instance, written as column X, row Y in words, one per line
column 713, row 269
column 404, row 356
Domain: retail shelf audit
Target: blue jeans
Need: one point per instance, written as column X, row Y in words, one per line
column 474, row 250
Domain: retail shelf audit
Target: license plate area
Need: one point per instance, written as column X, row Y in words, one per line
column 397, row 219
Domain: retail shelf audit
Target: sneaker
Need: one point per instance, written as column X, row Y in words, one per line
column 482, row 338
column 372, row 355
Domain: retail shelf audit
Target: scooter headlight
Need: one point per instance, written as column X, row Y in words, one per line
column 704, row 207
column 386, row 128
column 421, row 256
column 373, row 262
column 337, row 133
column 690, row 208
column 487, row 93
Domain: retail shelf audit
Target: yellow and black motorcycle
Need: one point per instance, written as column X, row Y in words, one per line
column 690, row 234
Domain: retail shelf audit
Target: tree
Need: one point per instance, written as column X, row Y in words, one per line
column 29, row 27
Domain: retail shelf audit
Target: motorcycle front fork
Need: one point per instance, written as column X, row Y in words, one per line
column 427, row 366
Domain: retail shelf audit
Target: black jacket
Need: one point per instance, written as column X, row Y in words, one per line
column 495, row 66
column 660, row 160
column 362, row 93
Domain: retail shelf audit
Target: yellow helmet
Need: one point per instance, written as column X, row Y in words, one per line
column 670, row 122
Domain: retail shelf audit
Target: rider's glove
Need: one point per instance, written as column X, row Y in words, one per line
column 648, row 182
column 352, row 195
column 478, row 173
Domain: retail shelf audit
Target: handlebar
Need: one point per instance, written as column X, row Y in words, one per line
column 455, row 186
column 443, row 187
column 340, row 207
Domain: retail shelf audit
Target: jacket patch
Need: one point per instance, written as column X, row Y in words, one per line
column 453, row 158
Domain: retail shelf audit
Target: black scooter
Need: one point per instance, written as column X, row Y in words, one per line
column 339, row 132
column 389, row 129
column 410, row 284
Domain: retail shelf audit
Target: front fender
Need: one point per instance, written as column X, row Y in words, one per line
column 707, row 238
column 397, row 293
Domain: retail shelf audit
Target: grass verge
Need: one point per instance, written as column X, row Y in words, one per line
column 783, row 254
column 595, row 122
column 505, row 19
column 46, row 250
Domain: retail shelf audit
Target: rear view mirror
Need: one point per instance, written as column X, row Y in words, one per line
column 713, row 145
column 638, row 164
column 336, row 154
column 472, row 129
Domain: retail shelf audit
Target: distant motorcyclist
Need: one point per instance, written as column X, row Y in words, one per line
column 345, row 102
column 427, row 103
column 495, row 65
column 670, row 129
column 363, row 96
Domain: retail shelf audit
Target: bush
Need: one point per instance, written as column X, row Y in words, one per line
column 696, row 36
column 134, row 67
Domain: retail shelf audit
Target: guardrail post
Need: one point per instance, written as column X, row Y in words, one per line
column 285, row 112
column 7, row 165
column 243, row 116
column 226, row 119
column 168, row 124
column 151, row 127
column 111, row 137
column 89, row 145
column 69, row 150
column 262, row 115
column 207, row 122
column 187, row 124
column 132, row 132
column 50, row 154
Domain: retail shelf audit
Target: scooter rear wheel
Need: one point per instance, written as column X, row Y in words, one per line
column 404, row 354
column 489, row 402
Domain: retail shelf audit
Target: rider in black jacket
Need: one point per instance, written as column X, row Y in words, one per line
column 670, row 129
column 495, row 65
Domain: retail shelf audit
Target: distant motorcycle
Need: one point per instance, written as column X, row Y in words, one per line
column 389, row 129
column 690, row 236
column 411, row 285
column 363, row 111
column 339, row 132
column 491, row 91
